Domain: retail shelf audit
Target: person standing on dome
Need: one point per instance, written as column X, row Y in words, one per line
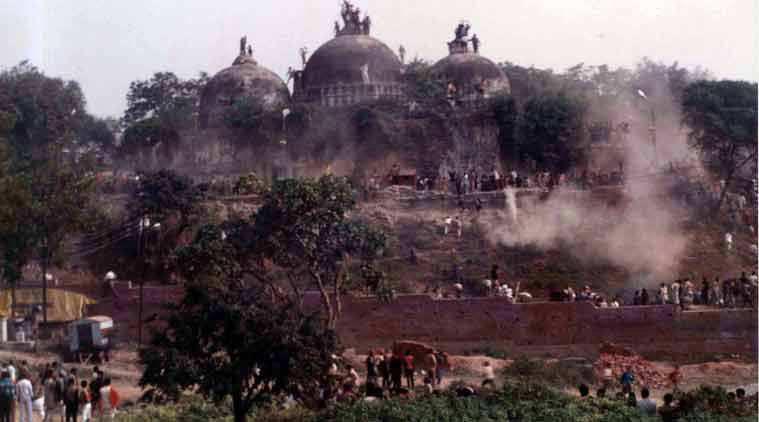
column 475, row 44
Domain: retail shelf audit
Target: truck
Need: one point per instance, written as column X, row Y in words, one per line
column 90, row 339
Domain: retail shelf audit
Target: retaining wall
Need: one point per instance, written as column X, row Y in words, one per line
column 550, row 328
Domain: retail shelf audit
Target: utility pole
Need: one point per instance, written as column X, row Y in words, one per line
column 652, row 127
column 144, row 224
column 44, row 280
column 652, row 130
column 141, row 246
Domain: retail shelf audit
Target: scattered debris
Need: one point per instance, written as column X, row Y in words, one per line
column 620, row 358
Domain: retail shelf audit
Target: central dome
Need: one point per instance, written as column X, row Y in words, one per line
column 350, row 59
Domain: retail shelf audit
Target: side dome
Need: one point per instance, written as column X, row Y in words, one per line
column 471, row 72
column 350, row 59
column 469, row 77
column 245, row 78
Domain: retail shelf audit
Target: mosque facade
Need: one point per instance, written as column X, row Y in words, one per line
column 352, row 68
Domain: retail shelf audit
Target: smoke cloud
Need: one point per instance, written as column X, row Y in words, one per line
column 637, row 227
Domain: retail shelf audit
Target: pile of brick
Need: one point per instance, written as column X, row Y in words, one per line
column 619, row 359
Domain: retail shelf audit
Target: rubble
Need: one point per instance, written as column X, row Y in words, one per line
column 620, row 358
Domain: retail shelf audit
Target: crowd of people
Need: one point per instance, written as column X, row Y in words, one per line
column 391, row 374
column 388, row 373
column 669, row 410
column 54, row 393
column 587, row 294
column 471, row 181
column 740, row 292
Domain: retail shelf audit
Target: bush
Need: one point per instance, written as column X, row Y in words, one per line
column 189, row 409
column 519, row 402
column 560, row 373
column 524, row 402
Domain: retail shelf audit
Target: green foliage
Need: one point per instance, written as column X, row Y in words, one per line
column 206, row 343
column 16, row 236
column 558, row 374
column 246, row 113
column 234, row 273
column 522, row 402
column 721, row 116
column 249, row 184
column 174, row 202
column 98, row 134
column 166, row 194
column 422, row 85
column 158, row 109
column 190, row 408
column 506, row 116
column 303, row 227
column 552, row 131
column 715, row 400
column 47, row 110
column 526, row 402
column 165, row 96
column 46, row 181
column 147, row 133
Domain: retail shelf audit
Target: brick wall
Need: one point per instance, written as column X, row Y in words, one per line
column 463, row 325
column 550, row 328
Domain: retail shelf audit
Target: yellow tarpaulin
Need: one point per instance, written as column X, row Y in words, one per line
column 62, row 305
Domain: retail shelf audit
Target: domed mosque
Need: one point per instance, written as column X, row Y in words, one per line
column 245, row 78
column 468, row 76
column 351, row 68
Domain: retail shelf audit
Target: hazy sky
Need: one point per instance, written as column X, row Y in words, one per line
column 107, row 44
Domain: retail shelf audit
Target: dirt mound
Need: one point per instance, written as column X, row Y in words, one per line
column 614, row 349
column 646, row 373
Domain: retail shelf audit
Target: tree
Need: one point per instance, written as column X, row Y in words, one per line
column 61, row 190
column 304, row 228
column 423, row 86
column 165, row 96
column 46, row 170
column 722, row 117
column 506, row 116
column 230, row 337
column 247, row 114
column 158, row 109
column 96, row 134
column 174, row 202
column 46, row 109
column 16, row 231
column 551, row 130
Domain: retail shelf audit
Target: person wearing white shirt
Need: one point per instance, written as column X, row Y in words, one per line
column 489, row 374
column 12, row 371
column 447, row 225
column 25, row 396
column 675, row 289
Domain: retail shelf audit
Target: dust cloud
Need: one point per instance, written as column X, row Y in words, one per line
column 637, row 227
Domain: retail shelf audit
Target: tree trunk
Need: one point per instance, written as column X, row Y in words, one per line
column 723, row 194
column 13, row 300
column 325, row 300
column 44, row 288
column 239, row 410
